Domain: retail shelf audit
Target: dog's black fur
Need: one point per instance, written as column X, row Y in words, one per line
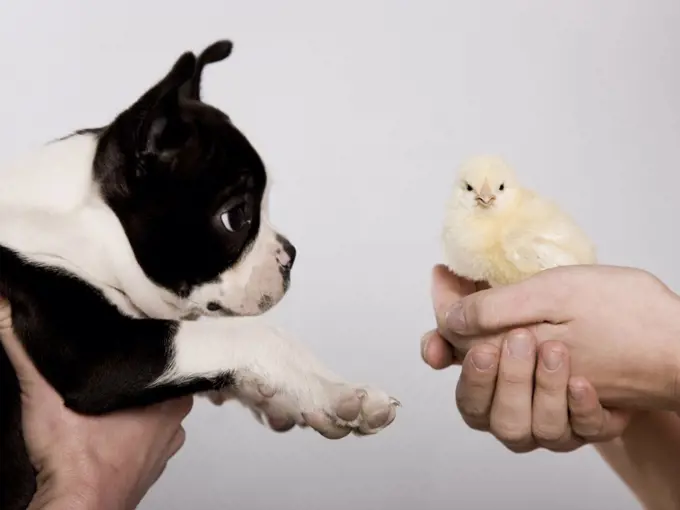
column 166, row 166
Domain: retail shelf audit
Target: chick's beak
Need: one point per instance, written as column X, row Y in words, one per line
column 485, row 197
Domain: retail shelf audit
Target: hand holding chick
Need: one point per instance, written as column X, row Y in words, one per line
column 498, row 232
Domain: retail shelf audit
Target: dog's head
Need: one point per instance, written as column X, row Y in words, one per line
column 191, row 193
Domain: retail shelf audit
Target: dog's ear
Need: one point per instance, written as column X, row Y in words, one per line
column 162, row 131
column 160, row 128
column 216, row 52
column 153, row 131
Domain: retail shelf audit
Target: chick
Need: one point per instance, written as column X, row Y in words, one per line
column 498, row 232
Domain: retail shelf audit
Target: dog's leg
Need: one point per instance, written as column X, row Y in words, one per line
column 277, row 376
column 100, row 360
column 141, row 361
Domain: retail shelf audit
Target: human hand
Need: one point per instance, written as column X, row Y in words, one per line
column 523, row 395
column 104, row 462
column 621, row 326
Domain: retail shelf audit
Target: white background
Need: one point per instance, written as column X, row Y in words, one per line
column 362, row 110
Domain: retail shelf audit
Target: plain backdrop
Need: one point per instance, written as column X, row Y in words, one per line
column 362, row 110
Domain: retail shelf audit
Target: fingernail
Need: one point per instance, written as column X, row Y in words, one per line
column 552, row 360
column 455, row 319
column 519, row 345
column 483, row 360
column 576, row 391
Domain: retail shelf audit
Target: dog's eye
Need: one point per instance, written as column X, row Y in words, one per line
column 236, row 217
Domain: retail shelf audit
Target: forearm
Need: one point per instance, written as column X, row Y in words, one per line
column 647, row 458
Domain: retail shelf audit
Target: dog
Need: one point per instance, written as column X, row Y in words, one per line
column 138, row 259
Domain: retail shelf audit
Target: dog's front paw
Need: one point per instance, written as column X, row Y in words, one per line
column 361, row 410
column 334, row 409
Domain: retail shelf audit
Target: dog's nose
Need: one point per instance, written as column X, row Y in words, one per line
column 290, row 251
column 214, row 306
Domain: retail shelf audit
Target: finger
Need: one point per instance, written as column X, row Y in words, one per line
column 172, row 411
column 550, row 420
column 510, row 419
column 447, row 289
column 165, row 418
column 531, row 301
column 23, row 366
column 476, row 385
column 5, row 314
column 176, row 443
column 589, row 419
column 182, row 406
column 437, row 352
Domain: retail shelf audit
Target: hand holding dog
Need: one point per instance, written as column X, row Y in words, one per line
column 621, row 327
column 90, row 462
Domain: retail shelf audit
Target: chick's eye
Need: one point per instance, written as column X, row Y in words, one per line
column 501, row 187
column 236, row 217
column 468, row 187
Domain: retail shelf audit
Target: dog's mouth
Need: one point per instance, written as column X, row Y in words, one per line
column 215, row 309
column 190, row 316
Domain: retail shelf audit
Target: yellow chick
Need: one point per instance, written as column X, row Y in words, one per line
column 499, row 232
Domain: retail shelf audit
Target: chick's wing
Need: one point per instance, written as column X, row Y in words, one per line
column 543, row 237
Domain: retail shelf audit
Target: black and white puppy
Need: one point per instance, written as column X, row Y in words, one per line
column 137, row 259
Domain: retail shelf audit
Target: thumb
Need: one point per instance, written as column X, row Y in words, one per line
column 448, row 288
column 492, row 310
column 16, row 353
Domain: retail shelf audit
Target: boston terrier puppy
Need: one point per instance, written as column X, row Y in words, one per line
column 138, row 260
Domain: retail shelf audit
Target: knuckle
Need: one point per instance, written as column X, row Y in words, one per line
column 181, row 437
column 515, row 377
column 474, row 396
column 588, row 428
column 521, row 447
column 550, row 385
column 480, row 312
column 472, row 411
column 511, row 433
column 609, row 432
column 480, row 423
column 188, row 405
column 563, row 445
column 182, row 406
column 472, row 383
column 472, row 408
column 548, row 433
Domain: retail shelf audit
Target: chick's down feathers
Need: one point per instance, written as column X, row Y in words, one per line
column 499, row 232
